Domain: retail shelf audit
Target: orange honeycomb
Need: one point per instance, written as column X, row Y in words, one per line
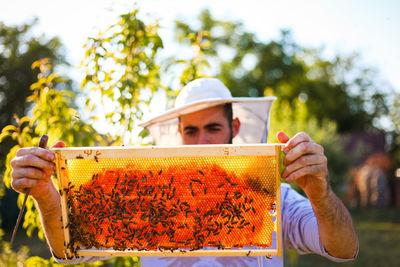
column 171, row 203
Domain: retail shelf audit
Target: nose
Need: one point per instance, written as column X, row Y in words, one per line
column 203, row 138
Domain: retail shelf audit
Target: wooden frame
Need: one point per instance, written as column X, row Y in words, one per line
column 97, row 153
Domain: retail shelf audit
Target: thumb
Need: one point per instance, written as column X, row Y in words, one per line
column 58, row 144
column 282, row 137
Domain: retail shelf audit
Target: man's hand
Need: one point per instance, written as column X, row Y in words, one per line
column 305, row 164
column 32, row 168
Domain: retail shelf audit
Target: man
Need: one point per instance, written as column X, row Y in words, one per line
column 204, row 113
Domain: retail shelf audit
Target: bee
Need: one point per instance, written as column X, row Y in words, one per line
column 76, row 116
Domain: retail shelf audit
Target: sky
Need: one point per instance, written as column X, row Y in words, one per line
column 370, row 28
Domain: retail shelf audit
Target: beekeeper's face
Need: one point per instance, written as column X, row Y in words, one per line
column 207, row 126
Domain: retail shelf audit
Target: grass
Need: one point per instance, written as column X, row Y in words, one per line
column 378, row 232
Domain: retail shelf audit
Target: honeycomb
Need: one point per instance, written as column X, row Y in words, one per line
column 170, row 203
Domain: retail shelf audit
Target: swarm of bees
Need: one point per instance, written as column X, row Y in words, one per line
column 168, row 209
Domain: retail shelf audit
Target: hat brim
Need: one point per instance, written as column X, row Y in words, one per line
column 200, row 105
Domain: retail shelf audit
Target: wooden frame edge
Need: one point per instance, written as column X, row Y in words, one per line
column 161, row 152
column 180, row 253
column 279, row 202
column 63, row 200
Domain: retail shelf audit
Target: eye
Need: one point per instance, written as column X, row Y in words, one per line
column 190, row 132
column 214, row 129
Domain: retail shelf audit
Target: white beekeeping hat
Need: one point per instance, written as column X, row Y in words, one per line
column 253, row 112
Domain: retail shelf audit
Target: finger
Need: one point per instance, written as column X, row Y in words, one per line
column 313, row 170
column 58, row 144
column 20, row 185
column 297, row 139
column 30, row 173
column 301, row 149
column 302, row 162
column 282, row 137
column 32, row 160
column 36, row 151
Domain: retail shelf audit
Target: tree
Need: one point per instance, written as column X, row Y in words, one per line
column 120, row 66
column 19, row 48
column 394, row 135
column 292, row 72
column 18, row 51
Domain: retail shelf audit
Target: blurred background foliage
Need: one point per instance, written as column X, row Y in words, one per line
column 120, row 65
column 19, row 48
column 328, row 99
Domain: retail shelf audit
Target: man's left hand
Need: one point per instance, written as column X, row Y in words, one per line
column 305, row 164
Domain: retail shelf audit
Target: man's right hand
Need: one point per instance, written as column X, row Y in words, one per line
column 32, row 168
